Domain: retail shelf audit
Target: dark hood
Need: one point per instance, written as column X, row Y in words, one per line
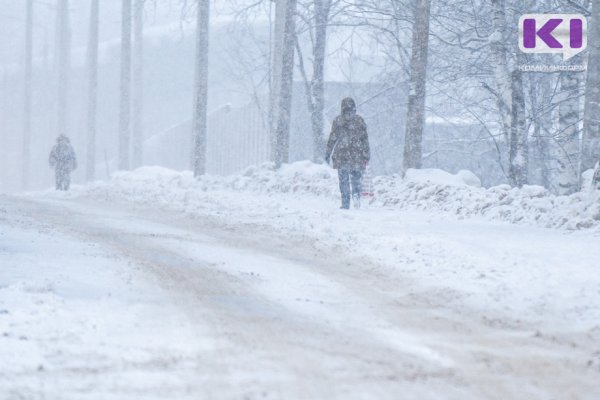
column 63, row 139
column 348, row 106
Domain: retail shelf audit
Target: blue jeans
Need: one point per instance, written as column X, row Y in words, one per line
column 349, row 177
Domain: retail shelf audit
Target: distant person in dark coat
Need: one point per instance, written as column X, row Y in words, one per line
column 64, row 161
column 348, row 148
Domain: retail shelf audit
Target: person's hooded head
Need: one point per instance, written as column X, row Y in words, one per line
column 62, row 138
column 348, row 107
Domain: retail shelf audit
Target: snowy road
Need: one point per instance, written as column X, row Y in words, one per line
column 198, row 309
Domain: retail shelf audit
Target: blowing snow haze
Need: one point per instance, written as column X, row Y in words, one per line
column 299, row 199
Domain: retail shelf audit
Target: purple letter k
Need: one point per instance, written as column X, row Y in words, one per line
column 545, row 33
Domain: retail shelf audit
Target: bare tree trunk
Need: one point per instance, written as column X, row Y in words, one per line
column 540, row 131
column 322, row 8
column 276, row 44
column 591, row 114
column 519, row 147
column 6, row 166
column 543, row 152
column 502, row 75
column 284, row 108
column 27, row 93
column 125, row 97
column 415, row 119
column 92, row 66
column 138, row 71
column 199, row 118
column 63, row 62
column 567, row 140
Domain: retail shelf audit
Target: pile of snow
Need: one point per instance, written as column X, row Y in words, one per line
column 165, row 186
column 530, row 204
column 440, row 177
column 434, row 190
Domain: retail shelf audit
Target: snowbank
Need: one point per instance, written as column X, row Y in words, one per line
column 440, row 177
column 433, row 190
column 530, row 204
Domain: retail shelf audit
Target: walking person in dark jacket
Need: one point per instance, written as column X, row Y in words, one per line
column 348, row 148
column 64, row 161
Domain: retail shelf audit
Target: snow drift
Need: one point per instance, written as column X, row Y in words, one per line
column 459, row 195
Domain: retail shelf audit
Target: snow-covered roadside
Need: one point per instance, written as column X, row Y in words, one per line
column 75, row 318
column 546, row 277
column 459, row 195
column 501, row 306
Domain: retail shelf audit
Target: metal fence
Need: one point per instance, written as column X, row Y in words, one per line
column 236, row 139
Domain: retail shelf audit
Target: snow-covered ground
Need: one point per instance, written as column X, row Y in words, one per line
column 77, row 320
column 447, row 195
column 257, row 286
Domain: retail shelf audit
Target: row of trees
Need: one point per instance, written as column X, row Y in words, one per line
column 543, row 126
column 131, row 93
column 456, row 58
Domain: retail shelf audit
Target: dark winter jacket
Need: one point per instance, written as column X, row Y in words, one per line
column 62, row 156
column 348, row 144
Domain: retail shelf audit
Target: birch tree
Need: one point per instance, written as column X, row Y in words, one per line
column 518, row 144
column 125, row 86
column 502, row 76
column 591, row 116
column 415, row 119
column 285, row 78
column 566, row 147
column 138, row 94
column 541, row 100
column 322, row 9
column 27, row 90
column 5, row 162
column 315, row 87
column 199, row 117
column 63, row 44
column 92, row 90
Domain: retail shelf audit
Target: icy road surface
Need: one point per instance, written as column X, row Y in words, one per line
column 108, row 301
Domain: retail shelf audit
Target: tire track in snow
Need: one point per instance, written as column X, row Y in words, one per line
column 369, row 346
